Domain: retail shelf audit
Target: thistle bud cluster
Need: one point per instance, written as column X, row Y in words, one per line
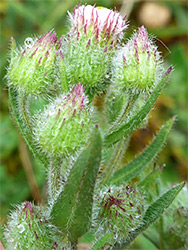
column 32, row 69
column 28, row 228
column 91, row 83
column 118, row 210
column 64, row 125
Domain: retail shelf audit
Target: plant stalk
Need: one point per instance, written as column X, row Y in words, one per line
column 129, row 106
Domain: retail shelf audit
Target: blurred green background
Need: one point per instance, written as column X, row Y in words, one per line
column 21, row 177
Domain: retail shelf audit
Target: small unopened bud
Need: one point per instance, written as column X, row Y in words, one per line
column 63, row 127
column 120, row 209
column 32, row 68
column 138, row 64
column 28, row 228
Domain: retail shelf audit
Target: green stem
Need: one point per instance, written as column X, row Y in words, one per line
column 121, row 145
column 116, row 159
column 19, row 112
column 22, row 102
column 56, row 179
column 129, row 106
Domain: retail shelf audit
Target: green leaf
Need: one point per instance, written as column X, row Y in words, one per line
column 73, row 209
column 152, row 214
column 151, row 178
column 102, row 241
column 132, row 169
column 137, row 119
column 158, row 207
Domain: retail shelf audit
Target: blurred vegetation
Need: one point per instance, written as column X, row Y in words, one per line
column 21, row 177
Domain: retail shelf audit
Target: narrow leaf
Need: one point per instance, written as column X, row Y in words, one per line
column 102, row 241
column 73, row 209
column 152, row 214
column 158, row 207
column 132, row 169
column 151, row 178
column 137, row 119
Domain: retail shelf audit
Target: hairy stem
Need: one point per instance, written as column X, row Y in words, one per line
column 18, row 107
column 129, row 106
column 55, row 181
column 57, row 172
column 116, row 159
column 24, row 112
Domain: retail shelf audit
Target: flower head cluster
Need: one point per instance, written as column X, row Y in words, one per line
column 32, row 68
column 28, row 228
column 63, row 127
column 138, row 64
column 120, row 209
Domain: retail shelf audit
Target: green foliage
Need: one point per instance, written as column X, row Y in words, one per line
column 73, row 209
column 130, row 171
column 158, row 207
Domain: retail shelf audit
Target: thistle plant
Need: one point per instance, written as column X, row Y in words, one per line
column 93, row 91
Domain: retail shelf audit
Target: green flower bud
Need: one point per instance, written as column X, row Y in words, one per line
column 93, row 36
column 28, row 229
column 32, row 68
column 118, row 210
column 138, row 64
column 63, row 127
